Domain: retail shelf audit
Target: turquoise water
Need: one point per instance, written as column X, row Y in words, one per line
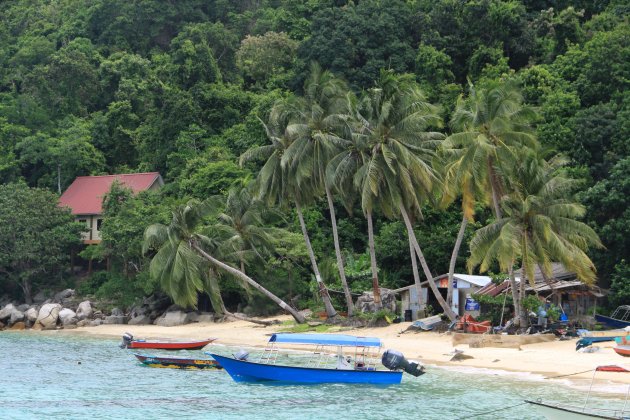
column 72, row 377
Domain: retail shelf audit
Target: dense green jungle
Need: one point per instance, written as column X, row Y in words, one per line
column 502, row 123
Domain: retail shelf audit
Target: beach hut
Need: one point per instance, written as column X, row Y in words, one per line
column 464, row 285
column 562, row 289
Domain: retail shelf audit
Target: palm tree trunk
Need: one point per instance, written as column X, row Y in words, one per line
column 451, row 266
column 299, row 318
column 323, row 292
column 246, row 286
column 447, row 309
column 521, row 294
column 375, row 286
column 494, row 186
column 342, row 271
column 515, row 295
column 414, row 267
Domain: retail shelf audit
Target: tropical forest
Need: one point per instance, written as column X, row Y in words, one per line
column 314, row 150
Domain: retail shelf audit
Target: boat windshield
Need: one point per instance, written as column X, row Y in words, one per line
column 332, row 351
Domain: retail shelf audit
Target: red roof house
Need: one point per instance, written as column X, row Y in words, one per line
column 85, row 196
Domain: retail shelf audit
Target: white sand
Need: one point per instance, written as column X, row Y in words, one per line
column 548, row 359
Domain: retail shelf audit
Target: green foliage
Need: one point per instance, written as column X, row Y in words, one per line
column 493, row 308
column 620, row 286
column 37, row 238
column 264, row 60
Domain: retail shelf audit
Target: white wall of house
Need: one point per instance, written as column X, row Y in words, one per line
column 93, row 225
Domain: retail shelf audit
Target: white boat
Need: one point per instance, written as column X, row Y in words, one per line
column 554, row 411
column 566, row 412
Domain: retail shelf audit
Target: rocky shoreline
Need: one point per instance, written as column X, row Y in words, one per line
column 66, row 310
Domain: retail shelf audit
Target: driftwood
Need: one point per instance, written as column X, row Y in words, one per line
column 500, row 340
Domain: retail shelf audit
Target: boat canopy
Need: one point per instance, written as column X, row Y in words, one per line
column 326, row 340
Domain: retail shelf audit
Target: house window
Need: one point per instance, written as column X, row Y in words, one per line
column 84, row 221
column 99, row 222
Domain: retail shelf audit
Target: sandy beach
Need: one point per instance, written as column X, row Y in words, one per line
column 556, row 360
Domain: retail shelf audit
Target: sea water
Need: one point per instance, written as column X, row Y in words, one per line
column 58, row 376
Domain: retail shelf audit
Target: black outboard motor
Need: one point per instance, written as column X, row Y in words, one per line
column 394, row 360
column 127, row 339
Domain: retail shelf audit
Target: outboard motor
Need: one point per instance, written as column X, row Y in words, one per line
column 241, row 355
column 394, row 360
column 127, row 339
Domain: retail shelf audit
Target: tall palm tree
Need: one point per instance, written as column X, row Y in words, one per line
column 461, row 178
column 492, row 124
column 183, row 254
column 277, row 185
column 397, row 175
column 539, row 226
column 489, row 126
column 314, row 123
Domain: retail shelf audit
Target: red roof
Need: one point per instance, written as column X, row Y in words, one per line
column 85, row 194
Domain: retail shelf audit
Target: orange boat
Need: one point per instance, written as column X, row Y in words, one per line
column 470, row 325
column 622, row 350
column 131, row 343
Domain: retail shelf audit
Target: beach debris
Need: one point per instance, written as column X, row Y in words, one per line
column 460, row 356
column 496, row 360
column 590, row 349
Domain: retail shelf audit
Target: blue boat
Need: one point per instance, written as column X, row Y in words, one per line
column 336, row 359
column 620, row 318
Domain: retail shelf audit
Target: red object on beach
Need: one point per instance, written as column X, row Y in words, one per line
column 611, row 368
column 468, row 324
column 130, row 343
column 622, row 350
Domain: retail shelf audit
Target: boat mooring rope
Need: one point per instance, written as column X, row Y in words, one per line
column 483, row 413
column 569, row 374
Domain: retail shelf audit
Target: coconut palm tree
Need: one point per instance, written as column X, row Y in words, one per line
column 492, row 124
column 397, row 175
column 314, row 123
column 183, row 253
column 277, row 185
column 489, row 126
column 461, row 178
column 539, row 226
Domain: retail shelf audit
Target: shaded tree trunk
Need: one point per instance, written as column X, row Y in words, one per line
column 447, row 309
column 375, row 286
column 299, row 318
column 451, row 266
column 340, row 266
column 414, row 267
column 323, row 291
column 515, row 294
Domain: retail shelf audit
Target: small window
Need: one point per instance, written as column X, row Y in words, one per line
column 84, row 221
column 99, row 222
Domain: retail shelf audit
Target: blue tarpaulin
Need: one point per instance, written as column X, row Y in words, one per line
column 326, row 339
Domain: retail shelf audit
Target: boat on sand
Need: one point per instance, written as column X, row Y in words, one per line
column 336, row 358
column 139, row 343
column 620, row 318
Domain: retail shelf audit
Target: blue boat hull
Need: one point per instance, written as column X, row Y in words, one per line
column 243, row 371
column 615, row 323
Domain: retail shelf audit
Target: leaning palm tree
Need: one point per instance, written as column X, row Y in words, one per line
column 315, row 123
column 397, row 175
column 243, row 220
column 182, row 256
column 539, row 226
column 277, row 185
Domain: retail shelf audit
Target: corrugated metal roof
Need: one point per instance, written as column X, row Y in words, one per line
column 85, row 194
